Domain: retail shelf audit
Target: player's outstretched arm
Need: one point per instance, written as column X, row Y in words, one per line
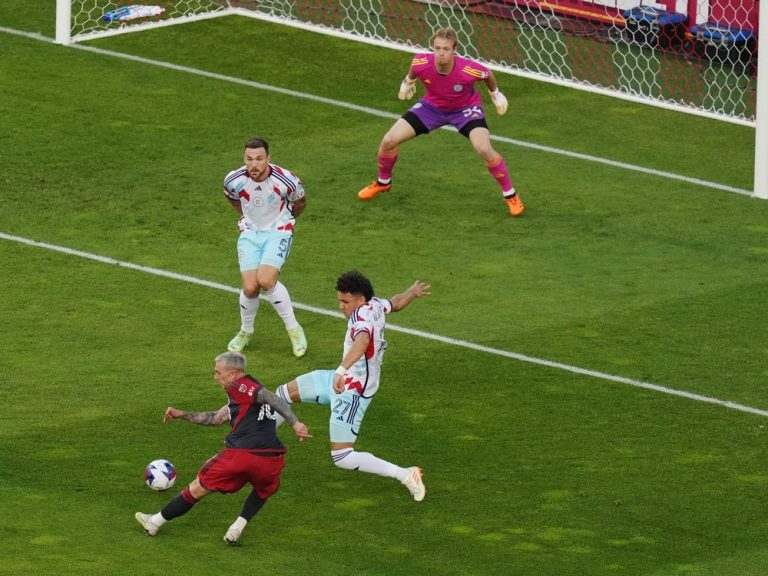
column 284, row 409
column 203, row 418
column 417, row 290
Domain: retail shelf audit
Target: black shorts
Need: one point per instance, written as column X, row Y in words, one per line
column 419, row 127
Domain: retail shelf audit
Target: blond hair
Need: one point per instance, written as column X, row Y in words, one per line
column 447, row 33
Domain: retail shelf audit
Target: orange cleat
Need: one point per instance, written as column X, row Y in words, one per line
column 515, row 205
column 370, row 191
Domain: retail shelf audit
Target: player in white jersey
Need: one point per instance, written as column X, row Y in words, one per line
column 269, row 199
column 349, row 389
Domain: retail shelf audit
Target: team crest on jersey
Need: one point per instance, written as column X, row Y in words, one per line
column 258, row 202
column 457, row 87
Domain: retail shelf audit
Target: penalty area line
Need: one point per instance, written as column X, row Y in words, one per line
column 393, row 327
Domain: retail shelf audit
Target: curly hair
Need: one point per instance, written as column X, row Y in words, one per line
column 353, row 282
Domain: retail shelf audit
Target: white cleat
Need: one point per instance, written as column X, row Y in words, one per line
column 232, row 536
column 239, row 342
column 414, row 484
column 146, row 522
column 298, row 341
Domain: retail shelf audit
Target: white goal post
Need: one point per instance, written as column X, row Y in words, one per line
column 701, row 57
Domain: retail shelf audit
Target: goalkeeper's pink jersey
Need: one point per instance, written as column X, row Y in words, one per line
column 453, row 91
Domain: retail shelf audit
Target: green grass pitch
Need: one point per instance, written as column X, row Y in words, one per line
column 531, row 469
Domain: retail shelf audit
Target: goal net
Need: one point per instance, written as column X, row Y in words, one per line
column 699, row 56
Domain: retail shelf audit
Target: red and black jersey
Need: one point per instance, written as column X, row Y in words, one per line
column 253, row 423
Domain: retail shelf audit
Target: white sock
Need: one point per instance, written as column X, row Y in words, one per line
column 366, row 462
column 281, row 301
column 157, row 519
column 508, row 193
column 248, row 309
column 239, row 524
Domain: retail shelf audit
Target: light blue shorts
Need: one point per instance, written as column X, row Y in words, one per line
column 347, row 408
column 257, row 248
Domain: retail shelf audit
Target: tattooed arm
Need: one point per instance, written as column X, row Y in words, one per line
column 284, row 409
column 203, row 418
column 280, row 406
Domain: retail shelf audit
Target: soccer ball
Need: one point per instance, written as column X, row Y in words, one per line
column 160, row 475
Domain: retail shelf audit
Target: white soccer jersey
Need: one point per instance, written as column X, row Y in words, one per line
column 266, row 205
column 369, row 318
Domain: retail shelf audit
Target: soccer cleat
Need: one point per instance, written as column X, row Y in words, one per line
column 298, row 341
column 232, row 536
column 515, row 205
column 239, row 342
column 146, row 522
column 414, row 484
column 370, row 191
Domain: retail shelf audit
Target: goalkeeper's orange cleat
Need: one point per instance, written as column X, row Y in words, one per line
column 515, row 205
column 370, row 191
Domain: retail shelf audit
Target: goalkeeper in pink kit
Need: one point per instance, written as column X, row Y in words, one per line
column 451, row 98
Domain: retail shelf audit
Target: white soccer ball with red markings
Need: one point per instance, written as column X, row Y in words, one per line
column 160, row 475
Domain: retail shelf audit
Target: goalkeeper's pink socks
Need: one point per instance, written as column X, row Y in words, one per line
column 386, row 163
column 498, row 169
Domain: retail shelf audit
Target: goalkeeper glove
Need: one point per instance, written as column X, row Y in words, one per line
column 407, row 89
column 499, row 100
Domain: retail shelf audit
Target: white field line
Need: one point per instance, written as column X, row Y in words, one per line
column 393, row 327
column 380, row 113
